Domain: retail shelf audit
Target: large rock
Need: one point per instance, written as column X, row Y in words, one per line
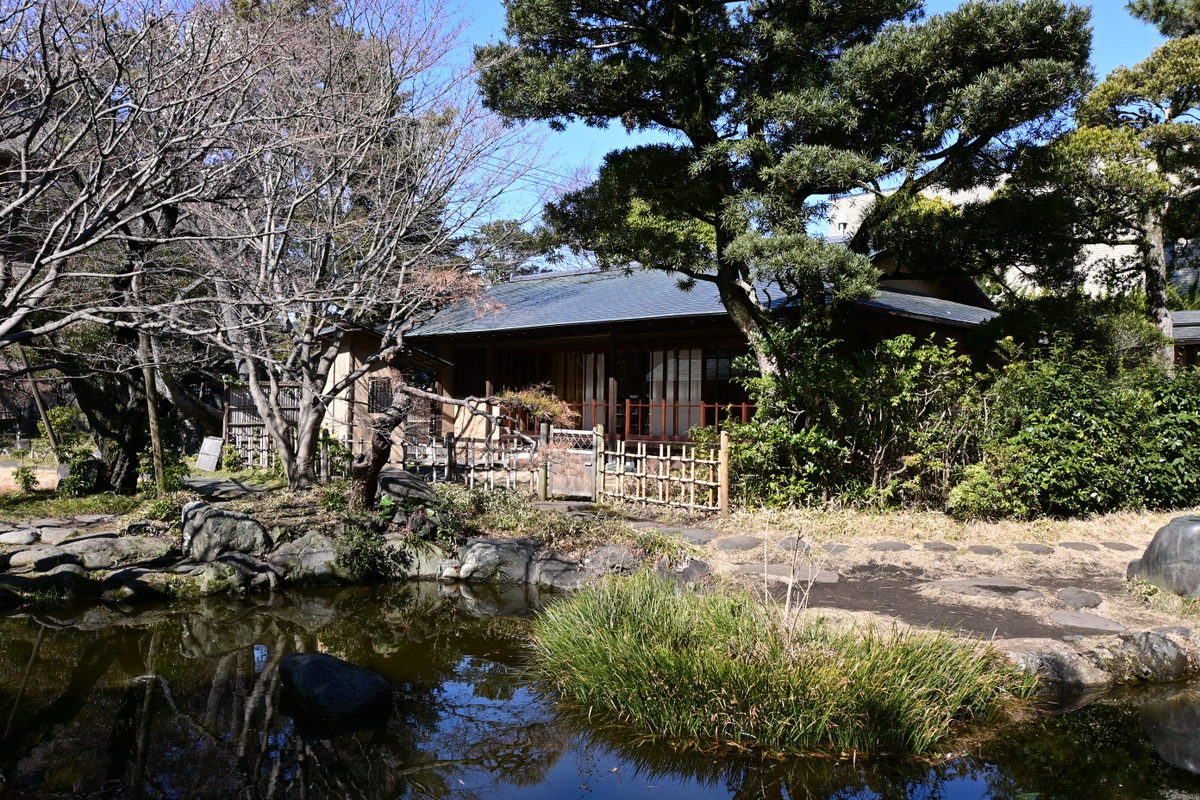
column 235, row 573
column 401, row 485
column 309, row 560
column 1172, row 561
column 329, row 697
column 22, row 538
column 41, row 558
column 208, row 532
column 499, row 560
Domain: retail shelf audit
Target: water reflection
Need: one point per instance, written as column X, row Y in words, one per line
column 182, row 701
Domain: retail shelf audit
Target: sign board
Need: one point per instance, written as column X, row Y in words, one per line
column 210, row 454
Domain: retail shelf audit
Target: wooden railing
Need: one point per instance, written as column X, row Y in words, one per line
column 653, row 420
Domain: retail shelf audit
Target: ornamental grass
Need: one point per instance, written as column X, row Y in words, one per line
column 715, row 669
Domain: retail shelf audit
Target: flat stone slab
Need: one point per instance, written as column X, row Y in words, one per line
column 697, row 536
column 792, row 543
column 41, row 559
column 1076, row 598
column 988, row 587
column 1082, row 547
column 18, row 538
column 984, row 550
column 92, row 519
column 835, row 549
column 1036, row 549
column 1121, row 547
column 48, row 522
column 939, row 547
column 890, row 547
column 56, row 535
column 737, row 544
column 1082, row 619
column 804, row 573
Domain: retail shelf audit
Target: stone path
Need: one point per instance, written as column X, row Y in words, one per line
column 954, row 589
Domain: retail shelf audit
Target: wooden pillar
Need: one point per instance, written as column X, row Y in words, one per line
column 543, row 474
column 598, row 448
column 723, row 476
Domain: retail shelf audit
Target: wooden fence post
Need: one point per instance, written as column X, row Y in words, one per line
column 450, row 465
column 723, row 476
column 598, row 444
column 543, row 475
column 326, row 462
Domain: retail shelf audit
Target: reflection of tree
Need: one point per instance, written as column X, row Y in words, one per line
column 182, row 701
column 1099, row 752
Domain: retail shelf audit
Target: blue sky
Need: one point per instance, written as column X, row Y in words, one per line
column 1118, row 39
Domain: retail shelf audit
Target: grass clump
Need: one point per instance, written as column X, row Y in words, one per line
column 1162, row 600
column 716, row 670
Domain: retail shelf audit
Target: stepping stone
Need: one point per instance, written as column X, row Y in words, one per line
column 1175, row 630
column 18, row 538
column 1120, row 547
column 984, row 550
column 988, row 587
column 92, row 519
column 939, row 547
column 56, row 535
column 791, row 544
column 1037, row 549
column 1076, row 598
column 737, row 544
column 697, row 536
column 804, row 573
column 637, row 524
column 835, row 549
column 48, row 523
column 1082, row 619
column 1082, row 547
column 890, row 547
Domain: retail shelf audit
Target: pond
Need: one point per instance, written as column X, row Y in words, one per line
column 182, row 701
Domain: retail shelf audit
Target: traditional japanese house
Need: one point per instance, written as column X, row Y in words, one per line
column 634, row 352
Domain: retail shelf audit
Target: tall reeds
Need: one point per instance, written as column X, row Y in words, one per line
column 715, row 669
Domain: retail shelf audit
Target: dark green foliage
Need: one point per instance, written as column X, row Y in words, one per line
column 714, row 670
column 772, row 108
column 1064, row 422
column 364, row 554
column 1064, row 437
column 892, row 424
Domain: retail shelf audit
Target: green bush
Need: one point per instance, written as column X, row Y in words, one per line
column 80, row 481
column 1065, row 437
column 25, row 478
column 363, row 554
column 707, row 670
column 887, row 425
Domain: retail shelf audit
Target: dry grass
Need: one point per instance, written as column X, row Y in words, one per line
column 47, row 478
column 829, row 524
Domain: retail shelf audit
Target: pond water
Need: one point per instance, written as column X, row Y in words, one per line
column 181, row 701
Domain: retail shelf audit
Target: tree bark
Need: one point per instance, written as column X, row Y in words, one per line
column 1154, row 260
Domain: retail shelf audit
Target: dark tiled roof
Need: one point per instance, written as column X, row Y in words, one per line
column 1185, row 325
column 926, row 307
column 582, row 298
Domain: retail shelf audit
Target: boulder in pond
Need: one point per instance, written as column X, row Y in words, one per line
column 330, row 697
column 310, row 560
column 208, row 532
column 1172, row 561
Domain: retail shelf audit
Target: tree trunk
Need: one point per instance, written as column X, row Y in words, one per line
column 116, row 413
column 745, row 313
column 1154, row 261
column 364, row 471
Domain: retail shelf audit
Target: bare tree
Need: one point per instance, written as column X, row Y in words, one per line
column 113, row 113
column 353, row 216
